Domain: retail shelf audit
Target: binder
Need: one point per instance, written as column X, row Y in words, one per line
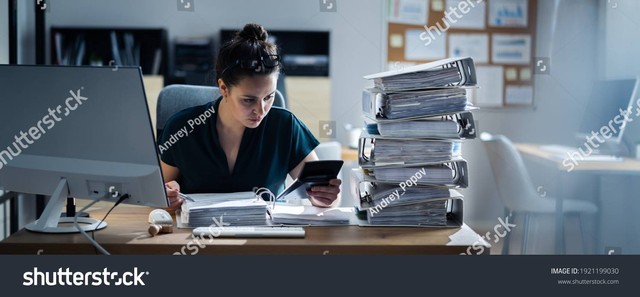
column 452, row 72
column 366, row 205
column 450, row 126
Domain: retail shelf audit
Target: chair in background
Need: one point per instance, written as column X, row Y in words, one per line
column 174, row 98
column 518, row 193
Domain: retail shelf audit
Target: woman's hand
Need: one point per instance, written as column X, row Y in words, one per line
column 325, row 196
column 173, row 188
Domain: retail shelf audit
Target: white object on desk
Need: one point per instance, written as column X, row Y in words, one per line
column 564, row 150
column 243, row 231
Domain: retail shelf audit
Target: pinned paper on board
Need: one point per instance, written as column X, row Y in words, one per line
column 416, row 49
column 508, row 13
column 519, row 95
column 412, row 12
column 511, row 49
column 489, row 94
column 475, row 46
column 472, row 14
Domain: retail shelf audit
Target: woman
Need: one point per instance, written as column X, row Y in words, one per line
column 244, row 143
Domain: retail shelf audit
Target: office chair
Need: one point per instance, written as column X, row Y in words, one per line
column 174, row 98
column 518, row 194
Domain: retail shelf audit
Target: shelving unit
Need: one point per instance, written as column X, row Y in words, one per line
column 111, row 46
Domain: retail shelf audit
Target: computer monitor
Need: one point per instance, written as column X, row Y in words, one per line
column 81, row 132
column 607, row 98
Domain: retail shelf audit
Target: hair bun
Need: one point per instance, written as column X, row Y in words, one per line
column 253, row 32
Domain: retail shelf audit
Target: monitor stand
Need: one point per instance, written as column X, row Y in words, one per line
column 50, row 219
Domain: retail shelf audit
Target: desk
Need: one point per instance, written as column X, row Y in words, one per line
column 553, row 159
column 127, row 234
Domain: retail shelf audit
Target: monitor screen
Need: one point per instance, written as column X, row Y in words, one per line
column 608, row 98
column 87, row 125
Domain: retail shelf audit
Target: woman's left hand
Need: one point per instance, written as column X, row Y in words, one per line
column 325, row 196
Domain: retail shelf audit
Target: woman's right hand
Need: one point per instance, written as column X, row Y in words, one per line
column 173, row 188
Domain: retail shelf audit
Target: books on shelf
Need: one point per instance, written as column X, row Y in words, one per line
column 410, row 153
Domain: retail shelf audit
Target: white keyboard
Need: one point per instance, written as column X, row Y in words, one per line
column 243, row 231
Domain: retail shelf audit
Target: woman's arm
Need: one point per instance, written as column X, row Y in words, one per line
column 320, row 196
column 170, row 174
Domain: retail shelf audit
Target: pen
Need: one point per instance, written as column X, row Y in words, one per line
column 185, row 196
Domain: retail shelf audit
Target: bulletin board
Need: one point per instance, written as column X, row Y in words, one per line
column 500, row 38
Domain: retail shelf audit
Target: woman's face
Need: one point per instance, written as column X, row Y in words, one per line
column 251, row 99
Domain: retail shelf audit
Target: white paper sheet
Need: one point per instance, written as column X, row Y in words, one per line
column 408, row 11
column 508, row 13
column 519, row 95
column 416, row 48
column 490, row 80
column 475, row 46
column 471, row 14
column 511, row 49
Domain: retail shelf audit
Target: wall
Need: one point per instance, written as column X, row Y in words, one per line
column 559, row 100
column 356, row 26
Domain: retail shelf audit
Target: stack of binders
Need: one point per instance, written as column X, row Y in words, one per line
column 410, row 150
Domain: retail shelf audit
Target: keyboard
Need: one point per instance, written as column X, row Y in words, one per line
column 244, row 231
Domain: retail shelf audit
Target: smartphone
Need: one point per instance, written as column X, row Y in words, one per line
column 313, row 173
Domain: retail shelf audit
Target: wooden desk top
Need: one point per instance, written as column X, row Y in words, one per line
column 127, row 234
column 536, row 150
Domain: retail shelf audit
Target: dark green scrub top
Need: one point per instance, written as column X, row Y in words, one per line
column 266, row 155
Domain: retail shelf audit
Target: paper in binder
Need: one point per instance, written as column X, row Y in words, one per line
column 411, row 104
column 452, row 126
column 408, row 151
column 454, row 72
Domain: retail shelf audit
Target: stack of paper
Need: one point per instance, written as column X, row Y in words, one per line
column 417, row 80
column 310, row 215
column 426, row 128
column 418, row 103
column 232, row 209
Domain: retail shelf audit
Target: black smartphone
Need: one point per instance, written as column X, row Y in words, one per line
column 313, row 173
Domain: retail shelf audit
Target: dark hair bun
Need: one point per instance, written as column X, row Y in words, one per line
column 253, row 32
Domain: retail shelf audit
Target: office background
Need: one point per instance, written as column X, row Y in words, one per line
column 586, row 40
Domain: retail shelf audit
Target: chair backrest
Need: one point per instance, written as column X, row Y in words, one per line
column 514, row 183
column 174, row 98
